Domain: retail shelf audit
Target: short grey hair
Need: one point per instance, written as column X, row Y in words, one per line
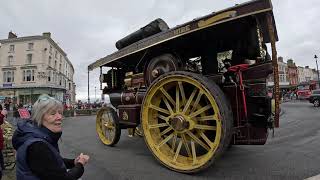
column 44, row 105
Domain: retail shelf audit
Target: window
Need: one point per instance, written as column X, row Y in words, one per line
column 50, row 51
column 49, row 75
column 11, row 49
column 49, row 61
column 55, row 64
column 30, row 46
column 10, row 60
column 56, row 55
column 60, row 80
column 8, row 76
column 60, row 57
column 69, row 86
column 29, row 58
column 53, row 77
column 28, row 75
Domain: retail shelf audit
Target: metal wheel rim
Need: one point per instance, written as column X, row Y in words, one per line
column 105, row 127
column 316, row 103
column 153, row 119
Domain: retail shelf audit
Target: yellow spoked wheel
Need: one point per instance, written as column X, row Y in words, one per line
column 186, row 121
column 107, row 126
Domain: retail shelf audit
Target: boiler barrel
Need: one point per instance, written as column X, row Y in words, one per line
column 152, row 28
column 125, row 98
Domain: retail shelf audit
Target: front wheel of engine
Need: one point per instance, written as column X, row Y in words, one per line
column 107, row 126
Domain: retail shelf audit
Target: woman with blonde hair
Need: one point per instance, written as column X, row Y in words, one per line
column 36, row 143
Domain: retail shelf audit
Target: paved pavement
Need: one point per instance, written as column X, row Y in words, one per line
column 292, row 154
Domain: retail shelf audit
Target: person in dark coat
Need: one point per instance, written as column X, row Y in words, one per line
column 2, row 117
column 36, row 143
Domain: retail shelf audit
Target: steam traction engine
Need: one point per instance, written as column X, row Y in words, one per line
column 193, row 90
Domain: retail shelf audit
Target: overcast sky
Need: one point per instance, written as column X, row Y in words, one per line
column 88, row 29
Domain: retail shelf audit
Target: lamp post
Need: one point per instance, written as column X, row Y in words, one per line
column 95, row 93
column 316, row 57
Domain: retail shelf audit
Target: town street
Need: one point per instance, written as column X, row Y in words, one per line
column 293, row 152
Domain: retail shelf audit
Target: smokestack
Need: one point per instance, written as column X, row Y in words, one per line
column 46, row 34
column 12, row 35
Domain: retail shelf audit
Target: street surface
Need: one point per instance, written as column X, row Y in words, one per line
column 293, row 153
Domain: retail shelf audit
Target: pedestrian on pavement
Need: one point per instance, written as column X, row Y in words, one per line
column 36, row 143
column 3, row 114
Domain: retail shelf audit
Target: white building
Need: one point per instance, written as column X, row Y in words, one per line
column 301, row 75
column 34, row 65
column 283, row 79
column 308, row 74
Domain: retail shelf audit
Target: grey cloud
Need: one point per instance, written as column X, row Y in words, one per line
column 87, row 30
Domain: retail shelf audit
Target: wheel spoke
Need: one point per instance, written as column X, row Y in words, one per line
column 194, row 154
column 166, row 131
column 102, row 129
column 165, row 140
column 200, row 111
column 163, row 117
column 184, row 140
column 177, row 99
column 174, row 141
column 207, row 118
column 183, row 95
column 158, row 125
column 159, row 109
column 198, row 141
column 168, row 105
column 167, row 95
column 107, row 134
column 189, row 100
column 195, row 104
column 206, row 139
column 205, row 127
column 103, row 126
column 177, row 152
column 110, row 135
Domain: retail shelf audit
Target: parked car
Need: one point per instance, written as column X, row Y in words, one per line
column 315, row 98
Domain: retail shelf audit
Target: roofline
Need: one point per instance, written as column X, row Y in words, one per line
column 38, row 37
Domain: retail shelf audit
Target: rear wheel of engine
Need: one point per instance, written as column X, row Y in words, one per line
column 107, row 126
column 186, row 120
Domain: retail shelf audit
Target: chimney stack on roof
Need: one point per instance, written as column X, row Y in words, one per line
column 46, row 34
column 12, row 35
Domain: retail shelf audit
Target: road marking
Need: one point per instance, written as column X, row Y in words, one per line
column 317, row 177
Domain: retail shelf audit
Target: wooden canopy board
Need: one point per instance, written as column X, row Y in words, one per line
column 258, row 8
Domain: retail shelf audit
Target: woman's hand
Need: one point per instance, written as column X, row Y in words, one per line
column 82, row 158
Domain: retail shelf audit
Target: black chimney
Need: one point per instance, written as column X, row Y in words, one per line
column 12, row 35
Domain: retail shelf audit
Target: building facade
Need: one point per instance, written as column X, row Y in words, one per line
column 292, row 73
column 35, row 65
column 301, row 75
column 308, row 75
column 283, row 76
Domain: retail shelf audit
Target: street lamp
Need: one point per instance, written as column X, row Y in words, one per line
column 316, row 57
column 95, row 93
